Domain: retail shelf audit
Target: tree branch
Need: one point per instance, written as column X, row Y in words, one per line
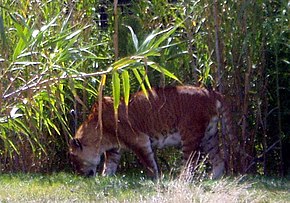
column 52, row 80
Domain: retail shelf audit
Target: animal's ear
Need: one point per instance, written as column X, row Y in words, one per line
column 76, row 143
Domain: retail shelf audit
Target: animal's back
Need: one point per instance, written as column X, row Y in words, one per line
column 172, row 108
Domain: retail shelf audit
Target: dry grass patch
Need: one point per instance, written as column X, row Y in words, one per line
column 223, row 191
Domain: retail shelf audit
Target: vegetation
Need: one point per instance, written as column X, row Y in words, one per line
column 62, row 187
column 58, row 57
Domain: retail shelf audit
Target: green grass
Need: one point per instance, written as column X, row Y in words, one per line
column 64, row 187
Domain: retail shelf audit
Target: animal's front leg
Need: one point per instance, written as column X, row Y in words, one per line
column 112, row 158
column 144, row 152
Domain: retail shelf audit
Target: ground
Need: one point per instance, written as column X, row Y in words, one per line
column 66, row 187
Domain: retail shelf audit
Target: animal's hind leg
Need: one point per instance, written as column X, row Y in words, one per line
column 190, row 141
column 210, row 145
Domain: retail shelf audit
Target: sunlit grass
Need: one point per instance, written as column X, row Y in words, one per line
column 64, row 187
column 68, row 187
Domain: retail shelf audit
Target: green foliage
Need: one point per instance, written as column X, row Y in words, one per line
column 44, row 50
column 50, row 68
column 54, row 58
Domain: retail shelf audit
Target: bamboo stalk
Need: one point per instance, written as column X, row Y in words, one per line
column 229, row 153
column 116, row 30
column 264, row 99
column 217, row 46
column 279, row 113
column 247, row 76
column 190, row 48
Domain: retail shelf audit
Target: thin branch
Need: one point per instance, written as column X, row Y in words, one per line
column 52, row 80
column 258, row 158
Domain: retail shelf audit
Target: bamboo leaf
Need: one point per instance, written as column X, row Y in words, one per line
column 116, row 90
column 140, row 80
column 150, row 42
column 92, row 55
column 6, row 139
column 100, row 99
column 22, row 41
column 145, row 76
column 122, row 63
column 163, row 71
column 51, row 124
column 27, row 63
column 126, row 86
column 72, row 35
column 134, row 37
column 165, row 36
column 45, row 27
column 2, row 32
column 14, row 114
column 103, row 80
column 20, row 126
column 66, row 22
column 146, row 43
column 13, row 146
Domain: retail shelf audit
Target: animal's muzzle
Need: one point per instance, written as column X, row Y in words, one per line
column 90, row 173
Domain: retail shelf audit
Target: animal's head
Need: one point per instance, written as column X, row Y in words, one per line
column 84, row 152
column 89, row 143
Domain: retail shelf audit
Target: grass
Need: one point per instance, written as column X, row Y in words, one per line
column 65, row 187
